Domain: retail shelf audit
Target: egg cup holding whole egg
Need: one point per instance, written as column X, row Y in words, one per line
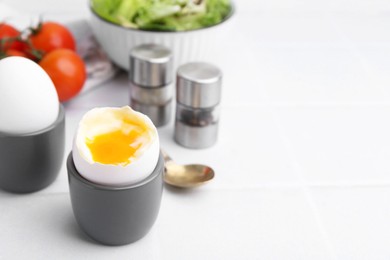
column 32, row 127
column 115, row 173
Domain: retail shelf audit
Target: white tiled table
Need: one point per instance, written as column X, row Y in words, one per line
column 303, row 157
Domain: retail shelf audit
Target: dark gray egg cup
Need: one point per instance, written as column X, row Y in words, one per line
column 116, row 215
column 31, row 162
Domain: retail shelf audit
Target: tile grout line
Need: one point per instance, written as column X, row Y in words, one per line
column 306, row 189
column 298, row 171
column 307, row 105
column 300, row 185
column 269, row 185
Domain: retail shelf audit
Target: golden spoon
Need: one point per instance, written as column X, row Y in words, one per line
column 186, row 176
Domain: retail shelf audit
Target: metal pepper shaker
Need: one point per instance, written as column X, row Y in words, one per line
column 198, row 94
column 151, row 88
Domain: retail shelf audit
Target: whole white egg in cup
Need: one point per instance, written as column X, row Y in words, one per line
column 115, row 146
column 32, row 127
column 28, row 98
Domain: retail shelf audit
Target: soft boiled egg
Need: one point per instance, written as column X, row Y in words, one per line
column 115, row 146
column 28, row 98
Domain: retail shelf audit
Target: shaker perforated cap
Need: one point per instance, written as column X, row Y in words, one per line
column 151, row 65
column 198, row 85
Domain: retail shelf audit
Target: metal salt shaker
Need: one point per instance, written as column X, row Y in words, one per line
column 151, row 88
column 198, row 94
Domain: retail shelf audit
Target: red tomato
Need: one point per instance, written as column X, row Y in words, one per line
column 50, row 36
column 67, row 71
column 8, row 38
column 12, row 52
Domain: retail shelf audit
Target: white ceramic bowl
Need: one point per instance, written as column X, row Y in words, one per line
column 195, row 45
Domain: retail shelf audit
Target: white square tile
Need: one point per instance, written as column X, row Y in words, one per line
column 292, row 29
column 376, row 60
column 356, row 220
column 362, row 28
column 319, row 6
column 341, row 144
column 318, row 76
column 257, row 224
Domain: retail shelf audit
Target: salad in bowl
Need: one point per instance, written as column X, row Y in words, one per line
column 187, row 27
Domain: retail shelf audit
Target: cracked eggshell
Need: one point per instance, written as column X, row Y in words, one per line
column 141, row 166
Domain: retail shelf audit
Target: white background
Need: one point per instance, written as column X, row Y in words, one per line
column 303, row 158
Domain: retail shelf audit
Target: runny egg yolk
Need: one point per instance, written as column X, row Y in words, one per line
column 118, row 147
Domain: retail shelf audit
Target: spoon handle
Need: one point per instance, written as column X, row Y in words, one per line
column 167, row 158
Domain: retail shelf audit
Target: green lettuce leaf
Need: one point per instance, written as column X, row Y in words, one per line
column 163, row 15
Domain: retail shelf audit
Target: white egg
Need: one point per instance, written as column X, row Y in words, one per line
column 28, row 98
column 115, row 146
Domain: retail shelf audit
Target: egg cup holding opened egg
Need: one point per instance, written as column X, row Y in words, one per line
column 32, row 127
column 115, row 146
column 115, row 175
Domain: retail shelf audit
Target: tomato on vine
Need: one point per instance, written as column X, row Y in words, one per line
column 53, row 47
column 67, row 71
column 12, row 52
column 10, row 38
column 49, row 36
